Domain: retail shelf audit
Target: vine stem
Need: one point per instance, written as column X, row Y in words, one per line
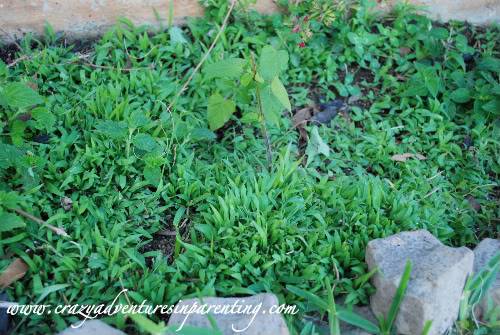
column 205, row 56
column 267, row 140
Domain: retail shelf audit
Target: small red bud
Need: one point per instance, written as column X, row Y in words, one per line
column 296, row 29
column 302, row 44
column 306, row 18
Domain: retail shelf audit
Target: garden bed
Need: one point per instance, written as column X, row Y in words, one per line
column 156, row 200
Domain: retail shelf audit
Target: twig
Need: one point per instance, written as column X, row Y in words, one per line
column 17, row 60
column 205, row 56
column 58, row 231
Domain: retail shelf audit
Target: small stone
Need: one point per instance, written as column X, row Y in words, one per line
column 437, row 279
column 257, row 320
column 66, row 203
column 92, row 327
column 482, row 254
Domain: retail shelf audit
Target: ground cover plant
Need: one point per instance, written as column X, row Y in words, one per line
column 104, row 185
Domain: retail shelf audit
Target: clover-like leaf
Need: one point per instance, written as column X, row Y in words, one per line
column 19, row 95
column 10, row 222
column 112, row 129
column 145, row 142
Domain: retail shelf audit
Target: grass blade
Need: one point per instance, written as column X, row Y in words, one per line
column 398, row 297
column 357, row 320
column 311, row 297
column 427, row 327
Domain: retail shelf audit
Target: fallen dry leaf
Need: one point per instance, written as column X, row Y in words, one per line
column 476, row 206
column 32, row 85
column 16, row 270
column 404, row 157
column 300, row 119
column 403, row 51
column 302, row 116
column 400, row 77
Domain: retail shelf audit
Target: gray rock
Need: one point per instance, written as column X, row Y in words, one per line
column 260, row 322
column 482, row 254
column 92, row 327
column 436, row 283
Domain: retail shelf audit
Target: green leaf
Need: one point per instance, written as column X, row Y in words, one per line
column 272, row 62
column 431, row 80
column 18, row 95
column 43, row 118
column 280, row 93
column 356, row 320
column 427, row 327
column 4, row 70
column 439, row 33
column 9, row 199
column 219, row 111
column 201, row 134
column 492, row 106
column 9, row 155
column 250, row 117
column 48, row 290
column 415, row 87
column 152, row 174
column 489, row 64
column 176, row 35
column 113, row 129
column 145, row 142
column 147, row 325
column 9, row 221
column 316, row 146
column 271, row 107
column 246, row 79
column 227, row 68
column 138, row 119
column 17, row 132
column 311, row 297
column 137, row 257
column 461, row 95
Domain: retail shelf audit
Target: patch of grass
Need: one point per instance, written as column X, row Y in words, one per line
column 133, row 169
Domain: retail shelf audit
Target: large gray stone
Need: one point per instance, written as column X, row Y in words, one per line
column 482, row 254
column 229, row 323
column 437, row 279
column 92, row 327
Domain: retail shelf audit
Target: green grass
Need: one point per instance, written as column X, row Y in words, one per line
column 132, row 168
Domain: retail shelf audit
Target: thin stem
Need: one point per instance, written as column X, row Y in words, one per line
column 58, row 231
column 269, row 152
column 205, row 56
column 267, row 140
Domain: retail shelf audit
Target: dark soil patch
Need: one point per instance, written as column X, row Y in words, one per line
column 164, row 240
column 8, row 53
